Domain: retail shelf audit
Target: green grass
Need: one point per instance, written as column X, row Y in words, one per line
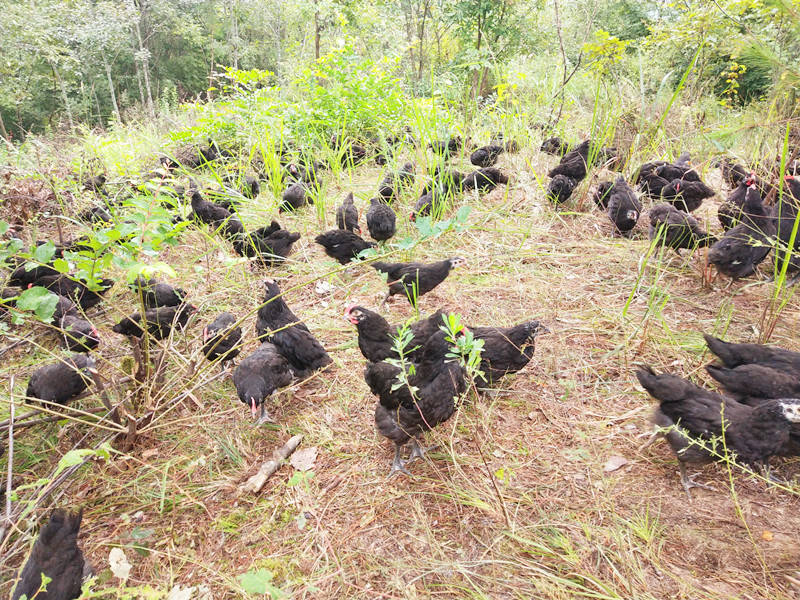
column 514, row 503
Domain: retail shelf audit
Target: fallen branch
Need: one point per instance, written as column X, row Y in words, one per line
column 257, row 481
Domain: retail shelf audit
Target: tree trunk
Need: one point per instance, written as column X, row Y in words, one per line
column 421, row 35
column 235, row 35
column 64, row 97
column 111, row 89
column 476, row 73
column 144, row 54
column 3, row 131
column 317, row 35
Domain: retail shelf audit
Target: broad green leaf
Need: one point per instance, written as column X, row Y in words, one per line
column 44, row 253
column 40, row 301
column 258, row 581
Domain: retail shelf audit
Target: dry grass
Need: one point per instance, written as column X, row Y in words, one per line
column 560, row 526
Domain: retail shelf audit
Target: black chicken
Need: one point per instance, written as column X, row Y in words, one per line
column 64, row 307
column 484, row 180
column 785, row 212
column 745, row 246
column 342, row 245
column 23, row 277
column 602, row 194
column 506, row 349
column 754, row 433
column 347, row 215
column 624, row 207
column 95, row 183
column 60, row 382
column 446, row 147
column 402, row 416
column 76, row 291
column 754, row 370
column 221, row 339
column 158, row 321
column 729, row 212
column 555, row 146
column 207, row 212
column 381, row 220
column 431, row 203
column 376, row 336
column 78, row 334
column 560, row 189
column 295, row 196
column 276, row 323
column 270, row 244
column 56, row 555
column 413, row 280
column 259, row 376
column 574, row 163
column 686, row 195
column 673, row 171
column 154, row 293
column 247, row 185
column 391, row 184
column 732, row 173
column 486, row 156
column 676, row 229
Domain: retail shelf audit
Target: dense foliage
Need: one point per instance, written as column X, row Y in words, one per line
column 90, row 61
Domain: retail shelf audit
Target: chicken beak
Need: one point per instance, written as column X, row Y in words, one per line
column 253, row 409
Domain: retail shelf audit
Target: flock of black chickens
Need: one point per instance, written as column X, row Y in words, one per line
column 418, row 372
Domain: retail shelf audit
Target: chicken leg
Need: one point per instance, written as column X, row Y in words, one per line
column 689, row 483
column 398, row 464
column 417, row 450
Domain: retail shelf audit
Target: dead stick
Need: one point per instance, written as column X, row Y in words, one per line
column 257, row 481
column 101, row 388
column 10, row 459
column 53, row 419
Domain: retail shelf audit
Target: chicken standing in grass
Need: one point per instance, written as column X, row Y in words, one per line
column 347, row 215
column 259, row 376
column 694, row 414
column 755, row 370
column 686, row 195
column 219, row 217
column 730, row 210
column 222, row 339
column 414, row 280
column 602, row 194
column 277, row 324
column 560, row 188
column 155, row 293
column 341, row 245
column 624, row 207
column 294, row 197
column 78, row 334
column 376, row 338
column 158, row 322
column 574, row 164
column 555, row 146
column 744, row 247
column 76, row 291
column 270, row 244
column 392, row 183
column 60, row 382
column 56, row 555
column 403, row 416
column 676, row 229
column 381, row 220
column 506, row 349
column 486, row 156
column 484, row 180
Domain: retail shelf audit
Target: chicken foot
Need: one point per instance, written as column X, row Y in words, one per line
column 689, row 483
